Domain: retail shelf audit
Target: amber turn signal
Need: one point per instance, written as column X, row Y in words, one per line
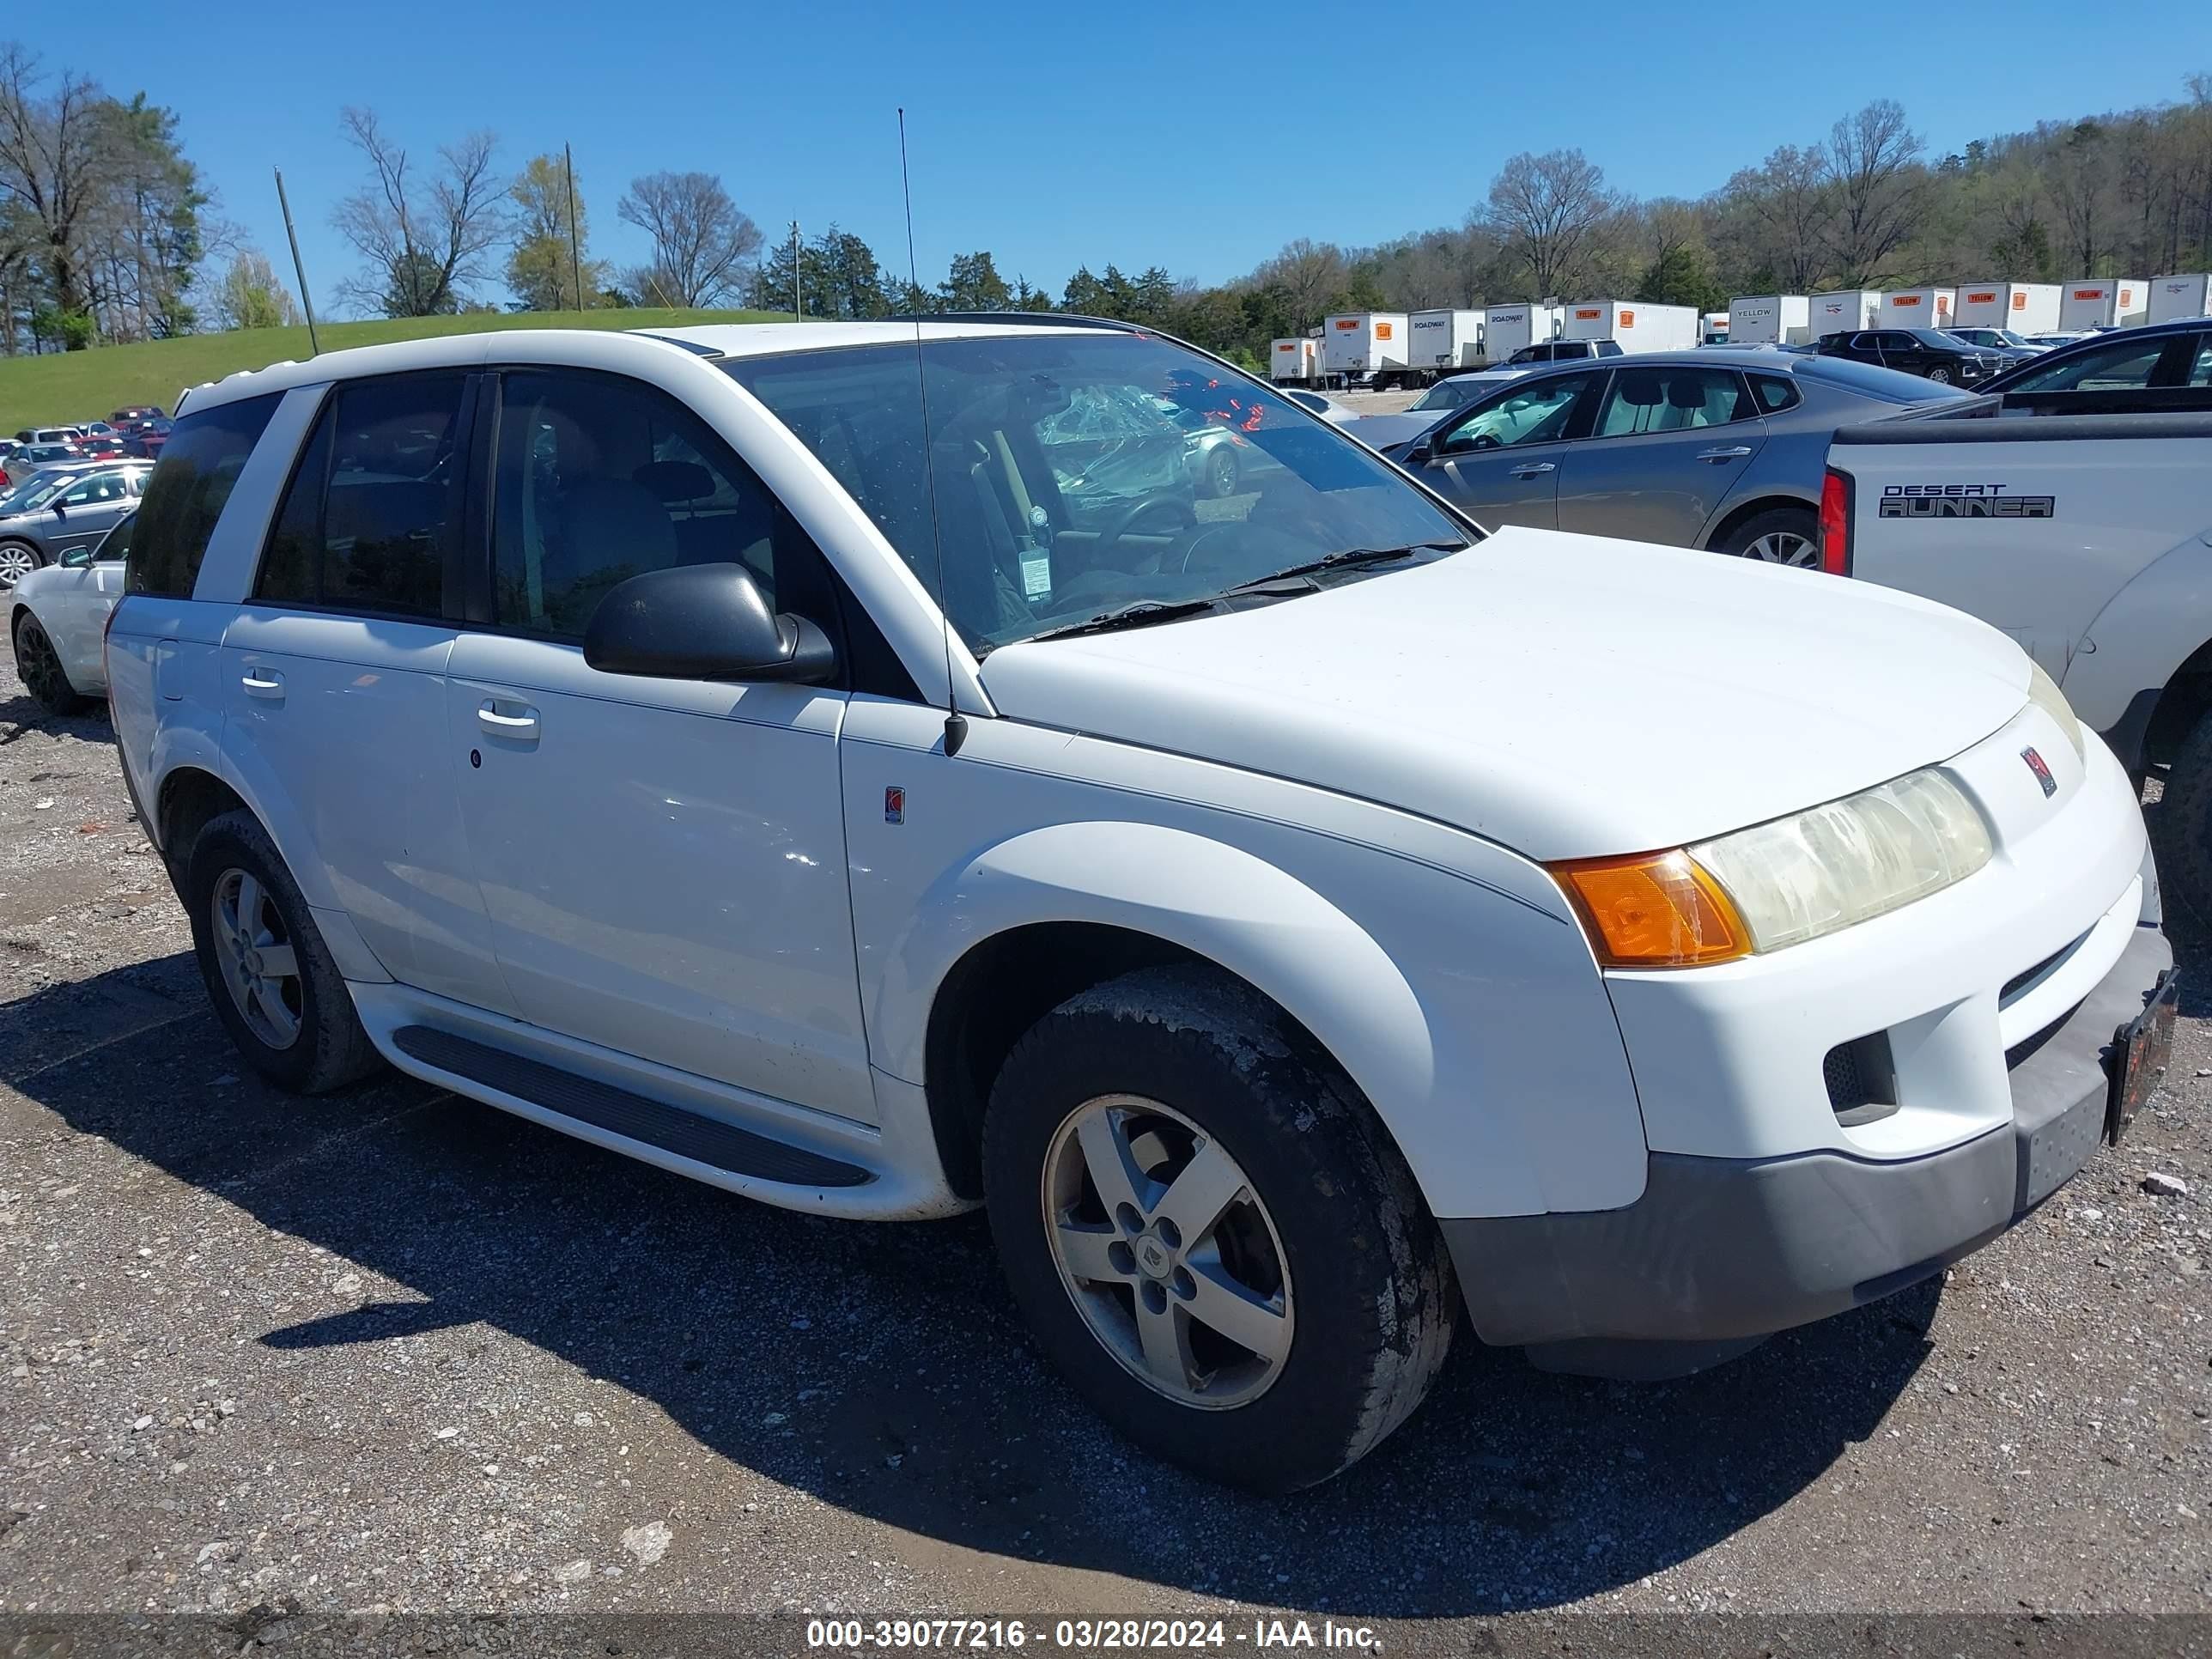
column 1653, row 910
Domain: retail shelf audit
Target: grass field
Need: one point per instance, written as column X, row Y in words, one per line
column 68, row 386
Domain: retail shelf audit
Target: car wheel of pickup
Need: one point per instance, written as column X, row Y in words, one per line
column 1783, row 535
column 2181, row 828
column 269, row 973
column 1210, row 1233
column 40, row 669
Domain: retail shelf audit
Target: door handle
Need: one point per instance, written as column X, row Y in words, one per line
column 1534, row 469
column 1732, row 452
column 264, row 683
column 522, row 724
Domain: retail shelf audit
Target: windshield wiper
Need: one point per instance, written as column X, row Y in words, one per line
column 1349, row 558
column 1142, row 614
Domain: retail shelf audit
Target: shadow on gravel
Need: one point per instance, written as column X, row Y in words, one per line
column 883, row 1368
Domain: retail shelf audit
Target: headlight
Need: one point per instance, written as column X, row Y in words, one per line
column 1780, row 884
column 2043, row 692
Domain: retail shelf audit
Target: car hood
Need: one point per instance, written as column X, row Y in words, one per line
column 1566, row 696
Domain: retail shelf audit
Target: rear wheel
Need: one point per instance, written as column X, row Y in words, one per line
column 1784, row 535
column 268, row 972
column 2181, row 828
column 17, row 561
column 1221, row 471
column 40, row 667
column 1210, row 1233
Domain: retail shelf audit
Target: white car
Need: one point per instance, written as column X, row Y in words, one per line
column 1316, row 403
column 58, row 617
column 1454, row 391
column 1306, row 925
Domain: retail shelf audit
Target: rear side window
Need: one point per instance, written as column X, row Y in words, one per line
column 375, row 502
column 199, row 465
column 2123, row 366
column 1775, row 393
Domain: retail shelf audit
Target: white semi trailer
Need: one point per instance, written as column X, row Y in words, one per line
column 1916, row 308
column 2178, row 296
column 2104, row 302
column 2023, row 307
column 1294, row 362
column 1633, row 326
column 1510, row 327
column 1770, row 319
column 1846, row 310
column 1444, row 341
column 1368, row 346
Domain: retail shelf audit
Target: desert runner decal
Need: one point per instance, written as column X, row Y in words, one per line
column 1963, row 500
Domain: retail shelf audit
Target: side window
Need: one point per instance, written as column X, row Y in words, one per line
column 201, row 462
column 115, row 546
column 1609, row 349
column 2200, row 368
column 92, row 491
column 601, row 479
column 1531, row 413
column 2124, row 365
column 1774, row 394
column 1670, row 400
column 375, row 500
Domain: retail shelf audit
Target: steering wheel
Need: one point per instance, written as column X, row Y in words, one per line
column 1484, row 440
column 1127, row 519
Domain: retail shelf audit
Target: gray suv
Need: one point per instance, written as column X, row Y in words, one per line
column 1713, row 448
column 78, row 515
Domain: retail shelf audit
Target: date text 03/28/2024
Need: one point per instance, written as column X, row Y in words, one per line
column 1086, row 1635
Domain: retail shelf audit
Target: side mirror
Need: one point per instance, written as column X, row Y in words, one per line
column 61, row 507
column 1422, row 453
column 703, row 622
column 76, row 558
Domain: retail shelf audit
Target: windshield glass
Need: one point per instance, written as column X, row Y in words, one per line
column 1078, row 473
column 35, row 491
column 1452, row 394
column 1871, row 381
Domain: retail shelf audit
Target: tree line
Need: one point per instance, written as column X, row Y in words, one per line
column 108, row 232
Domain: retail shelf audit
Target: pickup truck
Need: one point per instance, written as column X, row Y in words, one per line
column 2087, row 537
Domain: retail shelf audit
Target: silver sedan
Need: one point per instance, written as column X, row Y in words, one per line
column 1716, row 448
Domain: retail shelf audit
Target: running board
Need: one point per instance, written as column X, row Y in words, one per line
column 703, row 1140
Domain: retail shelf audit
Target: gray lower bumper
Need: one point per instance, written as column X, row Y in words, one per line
column 1719, row 1252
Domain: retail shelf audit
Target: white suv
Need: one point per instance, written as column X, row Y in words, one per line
column 1317, row 923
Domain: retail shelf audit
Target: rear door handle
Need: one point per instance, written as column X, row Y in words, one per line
column 522, row 723
column 264, row 683
column 1534, row 469
column 1733, row 452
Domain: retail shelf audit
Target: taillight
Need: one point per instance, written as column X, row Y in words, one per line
column 1836, row 490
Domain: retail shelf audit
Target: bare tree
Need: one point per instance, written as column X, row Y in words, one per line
column 701, row 241
column 51, row 157
column 1547, row 208
column 1785, row 204
column 2080, row 184
column 1309, row 273
column 422, row 243
column 1880, row 190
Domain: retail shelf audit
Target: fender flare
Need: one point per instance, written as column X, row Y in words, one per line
column 2151, row 628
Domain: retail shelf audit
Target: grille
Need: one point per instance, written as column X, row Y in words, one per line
column 2027, row 976
column 1861, row 1079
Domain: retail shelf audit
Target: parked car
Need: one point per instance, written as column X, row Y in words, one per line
column 2084, row 539
column 48, row 434
column 2174, row 354
column 1317, row 403
column 147, row 438
column 1272, row 942
column 1457, row 392
column 1994, row 339
column 58, row 620
column 1718, row 447
column 31, row 457
column 1929, row 352
column 84, row 509
column 1563, row 351
column 132, row 414
column 2060, row 336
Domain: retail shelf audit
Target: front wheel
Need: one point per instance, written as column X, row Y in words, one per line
column 268, row 972
column 40, row 667
column 1783, row 535
column 2181, row 828
column 1940, row 376
column 1210, row 1233
column 1221, row 472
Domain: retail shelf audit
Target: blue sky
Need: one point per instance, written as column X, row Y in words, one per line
column 1185, row 135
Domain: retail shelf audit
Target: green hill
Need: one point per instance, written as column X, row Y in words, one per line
column 65, row 387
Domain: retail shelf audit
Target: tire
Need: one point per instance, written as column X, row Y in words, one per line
column 1328, row 1235
column 327, row 1048
column 1221, row 472
column 1780, row 535
column 40, row 667
column 2181, row 828
column 1940, row 376
column 17, row 561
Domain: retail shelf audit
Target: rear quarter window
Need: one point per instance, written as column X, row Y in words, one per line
column 200, row 463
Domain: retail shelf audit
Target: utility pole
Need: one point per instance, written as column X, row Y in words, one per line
column 575, row 242
column 798, row 300
column 307, row 303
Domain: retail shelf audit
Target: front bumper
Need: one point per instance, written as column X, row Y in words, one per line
column 1719, row 1252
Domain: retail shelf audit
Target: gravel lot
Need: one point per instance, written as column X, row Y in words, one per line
column 397, row 1351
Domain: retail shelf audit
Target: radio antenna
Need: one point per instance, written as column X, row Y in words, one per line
column 956, row 724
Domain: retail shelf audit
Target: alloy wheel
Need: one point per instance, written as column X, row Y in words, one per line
column 260, row 969
column 40, row 668
column 1780, row 547
column 16, row 562
column 1168, row 1252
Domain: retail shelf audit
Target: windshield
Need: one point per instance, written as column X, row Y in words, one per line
column 1452, row 394
column 1080, row 472
column 35, row 491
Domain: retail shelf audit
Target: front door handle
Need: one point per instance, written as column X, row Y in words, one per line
column 1733, row 452
column 264, row 683
column 522, row 723
column 1534, row 469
